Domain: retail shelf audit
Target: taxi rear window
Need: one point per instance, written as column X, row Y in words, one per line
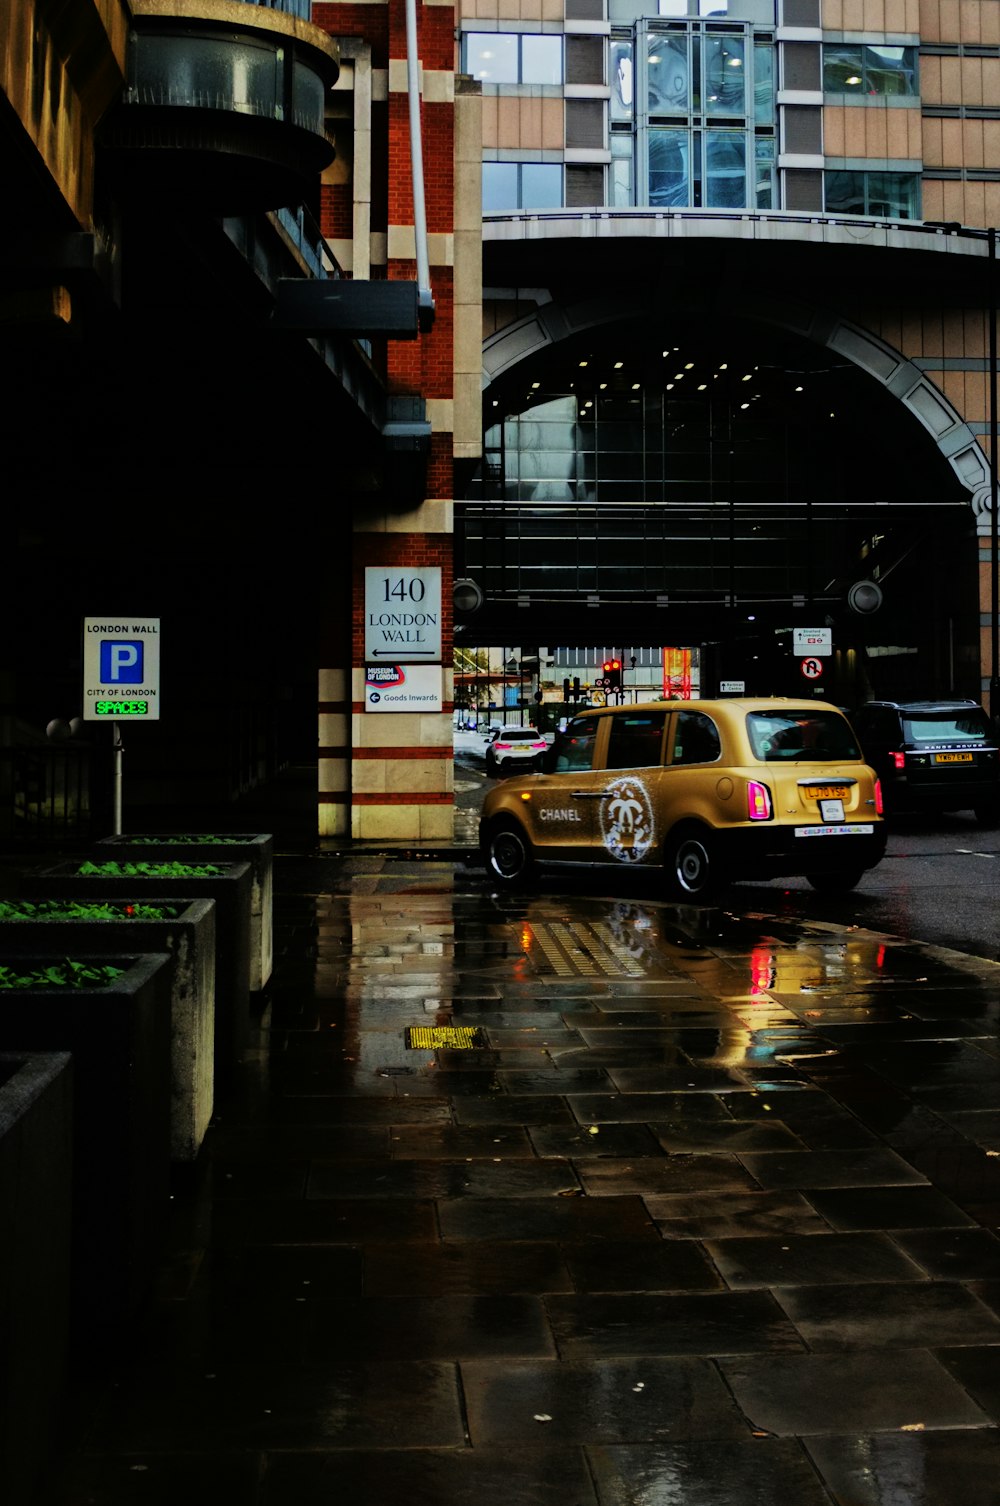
column 817, row 736
column 636, row 739
column 575, row 748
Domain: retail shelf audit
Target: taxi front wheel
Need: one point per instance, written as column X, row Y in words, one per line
column 508, row 853
column 694, row 871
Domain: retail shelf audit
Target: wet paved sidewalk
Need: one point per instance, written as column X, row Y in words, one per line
column 531, row 1200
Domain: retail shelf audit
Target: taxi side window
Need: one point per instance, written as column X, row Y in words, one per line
column 636, row 740
column 696, row 739
column 575, row 748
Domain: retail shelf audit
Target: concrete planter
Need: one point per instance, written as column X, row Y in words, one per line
column 230, row 890
column 118, row 1034
column 255, row 849
column 189, row 938
column 36, row 1159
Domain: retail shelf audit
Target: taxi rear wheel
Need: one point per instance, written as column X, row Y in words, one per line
column 836, row 883
column 694, row 871
column 509, row 857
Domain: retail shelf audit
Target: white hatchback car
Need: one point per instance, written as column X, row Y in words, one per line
column 515, row 747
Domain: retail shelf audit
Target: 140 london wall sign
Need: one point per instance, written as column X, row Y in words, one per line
column 403, row 613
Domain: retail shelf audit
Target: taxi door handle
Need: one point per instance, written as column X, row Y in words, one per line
column 591, row 794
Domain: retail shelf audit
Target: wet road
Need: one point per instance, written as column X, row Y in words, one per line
column 568, row 1200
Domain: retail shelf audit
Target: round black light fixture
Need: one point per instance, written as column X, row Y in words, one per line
column 864, row 597
column 466, row 595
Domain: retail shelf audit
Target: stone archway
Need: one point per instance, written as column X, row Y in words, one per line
column 549, row 323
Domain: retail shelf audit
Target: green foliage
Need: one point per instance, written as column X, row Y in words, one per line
column 67, row 974
column 71, row 909
column 148, row 870
column 186, row 837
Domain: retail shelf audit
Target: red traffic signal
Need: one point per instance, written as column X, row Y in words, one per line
column 613, row 673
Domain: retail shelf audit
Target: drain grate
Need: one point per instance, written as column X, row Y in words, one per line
column 445, row 1037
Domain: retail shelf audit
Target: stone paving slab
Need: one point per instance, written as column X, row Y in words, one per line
column 703, row 1216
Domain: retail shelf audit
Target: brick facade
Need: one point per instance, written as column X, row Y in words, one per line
column 390, row 776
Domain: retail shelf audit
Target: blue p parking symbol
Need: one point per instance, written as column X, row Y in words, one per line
column 121, row 663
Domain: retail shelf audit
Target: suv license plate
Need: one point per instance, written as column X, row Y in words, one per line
column 856, row 829
column 952, row 757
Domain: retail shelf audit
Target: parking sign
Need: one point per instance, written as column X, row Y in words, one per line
column 121, row 669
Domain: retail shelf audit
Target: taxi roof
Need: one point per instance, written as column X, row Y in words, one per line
column 724, row 704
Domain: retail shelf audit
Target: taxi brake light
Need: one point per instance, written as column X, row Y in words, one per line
column 758, row 801
column 879, row 811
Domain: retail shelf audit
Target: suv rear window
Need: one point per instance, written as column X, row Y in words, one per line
column 947, row 726
column 812, row 735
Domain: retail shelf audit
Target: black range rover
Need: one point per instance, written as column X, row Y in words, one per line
column 932, row 756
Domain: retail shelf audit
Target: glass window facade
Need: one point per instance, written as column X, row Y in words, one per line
column 866, row 69
column 696, row 103
column 521, row 185
column 892, row 196
column 497, row 57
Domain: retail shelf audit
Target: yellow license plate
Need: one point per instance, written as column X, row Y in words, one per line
column 952, row 757
column 827, row 791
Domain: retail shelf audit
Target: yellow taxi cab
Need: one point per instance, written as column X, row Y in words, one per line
column 706, row 791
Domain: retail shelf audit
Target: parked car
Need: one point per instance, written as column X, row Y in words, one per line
column 705, row 791
column 932, row 756
column 521, row 746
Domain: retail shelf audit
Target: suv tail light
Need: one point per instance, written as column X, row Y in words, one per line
column 879, row 810
column 758, row 801
column 899, row 760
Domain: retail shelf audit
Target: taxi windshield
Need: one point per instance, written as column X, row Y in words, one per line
column 817, row 736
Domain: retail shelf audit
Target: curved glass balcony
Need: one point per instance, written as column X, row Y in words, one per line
column 224, row 104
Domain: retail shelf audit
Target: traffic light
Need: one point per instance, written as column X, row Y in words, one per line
column 576, row 687
column 613, row 673
column 566, row 689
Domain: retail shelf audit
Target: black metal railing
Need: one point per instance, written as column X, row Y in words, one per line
column 45, row 793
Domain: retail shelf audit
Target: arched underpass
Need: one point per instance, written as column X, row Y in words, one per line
column 705, row 478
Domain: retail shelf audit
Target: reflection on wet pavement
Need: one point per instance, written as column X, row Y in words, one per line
column 576, row 1202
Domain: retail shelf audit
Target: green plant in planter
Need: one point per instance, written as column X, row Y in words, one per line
column 71, row 909
column 68, row 974
column 198, row 837
column 149, row 870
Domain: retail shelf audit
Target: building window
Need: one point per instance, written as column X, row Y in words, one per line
column 621, row 78
column 501, row 57
column 861, row 69
column 622, row 176
column 692, row 7
column 522, row 185
column 892, row 196
column 705, row 117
